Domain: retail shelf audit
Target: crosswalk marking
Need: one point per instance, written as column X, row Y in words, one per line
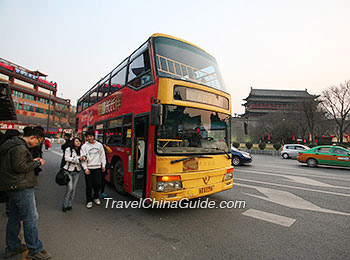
column 308, row 181
column 290, row 200
column 293, row 187
column 322, row 176
column 269, row 217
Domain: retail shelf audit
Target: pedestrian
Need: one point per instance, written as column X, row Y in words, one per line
column 47, row 144
column 67, row 143
column 17, row 178
column 37, row 151
column 3, row 194
column 73, row 168
column 94, row 164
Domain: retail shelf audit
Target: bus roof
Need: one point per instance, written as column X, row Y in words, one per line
column 152, row 36
column 178, row 39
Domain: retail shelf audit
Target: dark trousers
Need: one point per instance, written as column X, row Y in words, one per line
column 23, row 208
column 93, row 182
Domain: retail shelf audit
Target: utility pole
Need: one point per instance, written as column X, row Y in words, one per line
column 48, row 114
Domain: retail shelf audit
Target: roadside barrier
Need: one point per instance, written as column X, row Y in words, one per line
column 266, row 152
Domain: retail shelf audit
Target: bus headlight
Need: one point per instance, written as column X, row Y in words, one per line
column 229, row 174
column 169, row 186
column 168, row 183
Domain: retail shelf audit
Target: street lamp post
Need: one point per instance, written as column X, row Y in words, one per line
column 48, row 115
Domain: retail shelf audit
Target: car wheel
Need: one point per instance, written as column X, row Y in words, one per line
column 118, row 177
column 311, row 162
column 236, row 161
column 285, row 156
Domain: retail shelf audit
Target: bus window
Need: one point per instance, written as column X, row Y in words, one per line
column 140, row 71
column 118, row 80
column 99, row 129
column 103, row 90
column 114, row 132
column 190, row 63
column 127, row 123
column 93, row 97
column 85, row 102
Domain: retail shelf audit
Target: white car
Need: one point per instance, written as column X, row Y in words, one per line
column 292, row 150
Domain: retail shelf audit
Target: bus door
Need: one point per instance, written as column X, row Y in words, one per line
column 139, row 156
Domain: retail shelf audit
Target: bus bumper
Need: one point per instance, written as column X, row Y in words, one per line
column 192, row 193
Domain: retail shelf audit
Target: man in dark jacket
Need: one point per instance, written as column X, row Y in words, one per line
column 4, row 197
column 17, row 178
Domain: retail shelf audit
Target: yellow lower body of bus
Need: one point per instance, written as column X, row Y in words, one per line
column 194, row 185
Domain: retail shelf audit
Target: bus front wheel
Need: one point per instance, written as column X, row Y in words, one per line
column 118, row 177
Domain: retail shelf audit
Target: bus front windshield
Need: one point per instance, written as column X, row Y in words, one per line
column 186, row 130
column 181, row 60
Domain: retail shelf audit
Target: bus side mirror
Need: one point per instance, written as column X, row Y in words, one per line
column 156, row 114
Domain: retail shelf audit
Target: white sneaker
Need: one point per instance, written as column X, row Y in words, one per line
column 97, row 202
column 89, row 205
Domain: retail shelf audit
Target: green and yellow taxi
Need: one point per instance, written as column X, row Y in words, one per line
column 325, row 155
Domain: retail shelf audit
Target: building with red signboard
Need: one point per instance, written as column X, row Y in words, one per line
column 34, row 99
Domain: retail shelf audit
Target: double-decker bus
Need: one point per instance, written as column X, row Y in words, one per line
column 165, row 113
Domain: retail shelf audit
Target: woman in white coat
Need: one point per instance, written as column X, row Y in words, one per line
column 72, row 167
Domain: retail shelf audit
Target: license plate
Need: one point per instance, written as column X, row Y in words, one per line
column 206, row 189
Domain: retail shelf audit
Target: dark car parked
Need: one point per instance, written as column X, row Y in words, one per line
column 240, row 157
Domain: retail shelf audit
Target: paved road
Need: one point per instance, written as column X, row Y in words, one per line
column 292, row 212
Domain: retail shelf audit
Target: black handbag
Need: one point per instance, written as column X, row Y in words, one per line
column 62, row 177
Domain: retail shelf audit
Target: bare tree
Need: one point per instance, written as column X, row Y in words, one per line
column 310, row 113
column 336, row 101
column 63, row 115
column 281, row 126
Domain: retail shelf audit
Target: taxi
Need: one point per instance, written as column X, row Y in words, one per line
column 325, row 155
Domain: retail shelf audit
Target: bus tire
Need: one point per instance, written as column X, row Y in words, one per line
column 118, row 177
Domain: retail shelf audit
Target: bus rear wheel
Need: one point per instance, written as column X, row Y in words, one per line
column 118, row 177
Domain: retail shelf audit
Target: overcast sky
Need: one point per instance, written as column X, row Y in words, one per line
column 260, row 44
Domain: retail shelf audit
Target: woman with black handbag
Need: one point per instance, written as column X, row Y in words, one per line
column 72, row 168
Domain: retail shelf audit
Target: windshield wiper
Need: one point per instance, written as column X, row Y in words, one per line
column 188, row 158
column 219, row 149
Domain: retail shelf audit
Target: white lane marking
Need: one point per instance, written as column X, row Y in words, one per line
column 303, row 180
column 60, row 154
column 301, row 164
column 307, row 169
column 331, row 177
column 289, row 200
column 269, row 217
column 312, row 182
column 293, row 187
